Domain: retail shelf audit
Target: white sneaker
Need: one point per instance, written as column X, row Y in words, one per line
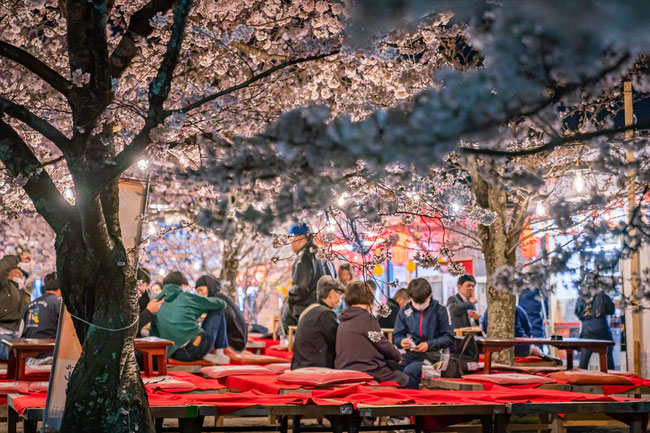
column 217, row 359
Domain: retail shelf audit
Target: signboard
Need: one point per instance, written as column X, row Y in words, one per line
column 67, row 351
column 132, row 205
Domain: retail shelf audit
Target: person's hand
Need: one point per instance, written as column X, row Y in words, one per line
column 472, row 299
column 405, row 344
column 154, row 305
column 422, row 347
column 473, row 315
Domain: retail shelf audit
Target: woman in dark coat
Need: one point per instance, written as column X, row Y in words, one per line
column 593, row 312
column 360, row 343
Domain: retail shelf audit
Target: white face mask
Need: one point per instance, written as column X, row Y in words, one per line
column 423, row 306
column 19, row 281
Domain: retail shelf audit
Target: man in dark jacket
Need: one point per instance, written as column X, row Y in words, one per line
column 395, row 304
column 148, row 307
column 13, row 301
column 592, row 312
column 305, row 273
column 315, row 341
column 236, row 326
column 531, row 301
column 42, row 316
column 462, row 306
column 422, row 326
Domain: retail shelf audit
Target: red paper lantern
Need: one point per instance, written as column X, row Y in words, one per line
column 400, row 251
column 530, row 245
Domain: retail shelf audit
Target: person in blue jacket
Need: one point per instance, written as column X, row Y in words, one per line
column 592, row 312
column 423, row 325
column 523, row 330
column 531, row 301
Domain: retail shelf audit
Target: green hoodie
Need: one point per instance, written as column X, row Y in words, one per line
column 178, row 317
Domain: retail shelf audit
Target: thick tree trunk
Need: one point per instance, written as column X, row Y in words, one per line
column 497, row 252
column 105, row 392
column 230, row 267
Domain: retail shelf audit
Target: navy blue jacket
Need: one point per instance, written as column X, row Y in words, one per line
column 522, row 329
column 531, row 301
column 433, row 326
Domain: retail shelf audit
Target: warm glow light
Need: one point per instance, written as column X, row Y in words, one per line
column 143, row 164
column 197, row 266
column 579, row 182
column 540, row 210
column 341, row 200
column 152, row 229
column 161, row 272
column 68, row 194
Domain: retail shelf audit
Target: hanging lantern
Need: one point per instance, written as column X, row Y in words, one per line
column 410, row 266
column 284, row 291
column 530, row 245
column 378, row 270
column 400, row 251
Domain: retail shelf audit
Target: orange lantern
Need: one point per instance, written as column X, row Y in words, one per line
column 530, row 245
column 378, row 270
column 400, row 250
column 410, row 266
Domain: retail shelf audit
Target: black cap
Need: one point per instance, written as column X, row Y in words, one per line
column 51, row 282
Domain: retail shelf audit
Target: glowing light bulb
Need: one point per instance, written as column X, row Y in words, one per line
column 197, row 266
column 540, row 210
column 579, row 182
column 68, row 194
column 341, row 200
column 455, row 207
column 143, row 164
column 152, row 229
column 161, row 272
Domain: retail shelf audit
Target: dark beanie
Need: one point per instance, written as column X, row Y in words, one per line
column 51, row 282
column 202, row 281
column 176, row 278
column 213, row 285
column 144, row 275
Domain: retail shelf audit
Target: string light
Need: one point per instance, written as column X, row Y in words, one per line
column 152, row 229
column 143, row 164
column 68, row 194
column 579, row 182
column 161, row 272
column 540, row 210
column 341, row 200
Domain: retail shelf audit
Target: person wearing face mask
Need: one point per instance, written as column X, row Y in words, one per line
column 422, row 326
column 13, row 302
column 315, row 341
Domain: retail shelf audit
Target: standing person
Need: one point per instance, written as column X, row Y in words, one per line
column 315, row 341
column 178, row 317
column 12, row 299
column 395, row 304
column 148, row 307
column 236, row 326
column 42, row 316
column 346, row 274
column 531, row 301
column 592, row 312
column 305, row 273
column 462, row 306
column 360, row 343
column 423, row 325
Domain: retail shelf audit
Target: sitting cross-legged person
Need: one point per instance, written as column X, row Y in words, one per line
column 315, row 341
column 423, row 325
column 360, row 343
column 42, row 316
column 177, row 320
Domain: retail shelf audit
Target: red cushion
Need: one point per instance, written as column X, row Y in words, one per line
column 172, row 361
column 167, row 383
column 279, row 348
column 20, row 386
column 508, row 378
column 589, row 377
column 529, row 359
column 38, row 386
column 219, row 371
column 38, row 369
column 248, row 358
column 279, row 368
column 317, row 376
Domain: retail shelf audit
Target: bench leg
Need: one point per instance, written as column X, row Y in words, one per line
column 636, row 423
column 487, row 362
column 159, row 424
column 30, row 426
column 487, row 423
column 569, row 359
column 501, row 423
column 190, row 425
column 12, row 419
column 603, row 361
column 295, row 427
column 284, row 424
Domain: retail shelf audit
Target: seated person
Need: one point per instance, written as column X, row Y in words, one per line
column 42, row 316
column 523, row 330
column 462, row 306
column 237, row 329
column 177, row 320
column 395, row 304
column 148, row 307
column 360, row 344
column 315, row 342
column 12, row 299
column 426, row 323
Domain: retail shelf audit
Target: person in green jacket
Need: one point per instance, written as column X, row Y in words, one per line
column 178, row 320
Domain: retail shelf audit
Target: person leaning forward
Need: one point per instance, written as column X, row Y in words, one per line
column 315, row 341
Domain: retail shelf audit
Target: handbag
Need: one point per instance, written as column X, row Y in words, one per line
column 465, row 351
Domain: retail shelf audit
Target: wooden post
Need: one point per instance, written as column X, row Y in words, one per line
column 635, row 265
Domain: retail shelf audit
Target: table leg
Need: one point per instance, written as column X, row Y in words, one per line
column 12, row 365
column 21, row 366
column 12, row 419
column 146, row 364
column 603, row 361
column 290, row 338
column 487, row 362
column 569, row 359
column 162, row 364
column 284, row 424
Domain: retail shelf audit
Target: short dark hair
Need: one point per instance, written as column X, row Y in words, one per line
column 51, row 282
column 143, row 275
column 419, row 290
column 401, row 293
column 326, row 284
column 175, row 277
column 465, row 278
column 359, row 292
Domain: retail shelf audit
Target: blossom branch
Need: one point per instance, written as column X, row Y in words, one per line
column 39, row 68
column 33, row 121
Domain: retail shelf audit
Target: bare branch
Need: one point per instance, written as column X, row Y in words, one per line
column 21, row 162
column 33, row 121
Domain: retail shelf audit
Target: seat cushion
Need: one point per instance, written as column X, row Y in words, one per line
column 279, row 368
column 219, row 371
column 590, row 377
column 318, row 376
column 248, row 358
column 509, row 379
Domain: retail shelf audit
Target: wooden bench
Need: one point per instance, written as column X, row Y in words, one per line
column 257, row 347
column 23, row 348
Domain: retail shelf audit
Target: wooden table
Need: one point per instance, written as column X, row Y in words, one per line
column 461, row 332
column 389, row 333
column 489, row 345
column 22, row 348
column 292, row 330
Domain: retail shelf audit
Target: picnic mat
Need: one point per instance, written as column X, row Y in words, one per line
column 268, row 383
